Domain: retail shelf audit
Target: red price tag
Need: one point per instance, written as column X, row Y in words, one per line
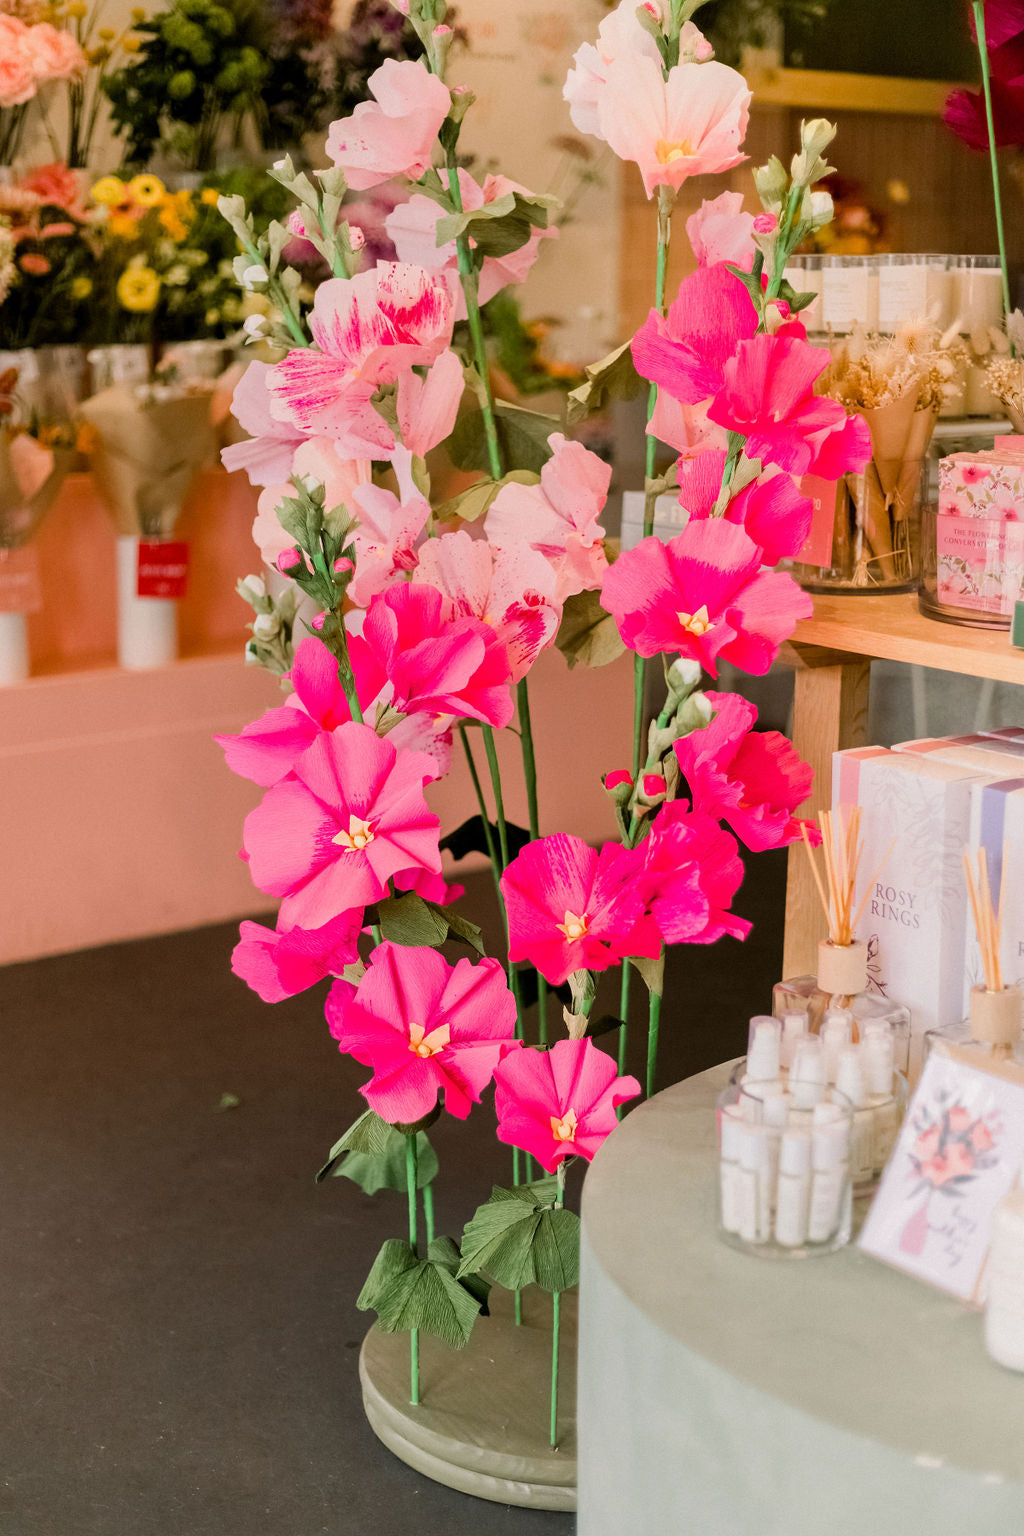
column 817, row 547
column 163, row 568
column 20, row 590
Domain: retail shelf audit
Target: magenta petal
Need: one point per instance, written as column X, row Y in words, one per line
column 270, row 747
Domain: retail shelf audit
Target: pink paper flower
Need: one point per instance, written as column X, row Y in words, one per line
column 684, row 427
column 53, row 53
column 394, row 134
column 692, row 871
column 425, row 1027
column 18, row 79
column 278, row 963
column 437, row 661
column 619, row 35
column 768, row 397
column 318, row 459
column 571, row 908
column 754, row 780
column 686, row 351
column 427, row 407
column 770, row 509
column 368, row 329
column 559, row 516
column 387, row 531
column 704, row 595
column 720, row 230
column 349, row 816
column 267, row 455
column 559, row 1103
column 511, row 590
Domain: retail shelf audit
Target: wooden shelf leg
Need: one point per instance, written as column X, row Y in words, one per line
column 830, row 713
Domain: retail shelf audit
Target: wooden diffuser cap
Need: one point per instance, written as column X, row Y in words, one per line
column 996, row 1016
column 842, row 968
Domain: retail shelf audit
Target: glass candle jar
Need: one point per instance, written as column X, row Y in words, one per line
column 972, row 569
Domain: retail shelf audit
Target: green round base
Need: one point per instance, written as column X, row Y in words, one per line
column 481, row 1425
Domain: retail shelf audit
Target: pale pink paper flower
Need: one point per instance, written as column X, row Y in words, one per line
column 267, row 455
column 413, row 228
column 425, row 1027
column 279, row 963
column 684, row 427
column 720, row 230
column 559, row 516
column 559, row 1103
column 571, row 908
column 18, row 80
column 770, row 509
column 692, row 871
column 754, row 780
column 704, row 595
column 53, row 53
column 349, row 817
column 685, row 352
column 691, row 124
column 427, row 407
column 368, row 329
column 387, row 531
column 394, row 134
column 619, row 35
column 318, row 459
column 768, row 396
column 511, row 590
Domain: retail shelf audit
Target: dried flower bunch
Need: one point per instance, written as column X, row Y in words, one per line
column 870, row 371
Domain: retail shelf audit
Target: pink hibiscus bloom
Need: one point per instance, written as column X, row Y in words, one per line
column 427, row 407
column 692, row 871
column 436, row 660
column 685, row 352
column 368, row 329
column 279, row 963
column 559, row 1103
column 768, row 397
column 720, row 230
column 511, row 590
column 387, row 531
column 349, row 816
column 413, row 228
column 425, row 1027
column 394, row 134
column 704, row 595
column 559, row 516
column 754, row 780
column 770, row 509
column 267, row 455
column 571, row 908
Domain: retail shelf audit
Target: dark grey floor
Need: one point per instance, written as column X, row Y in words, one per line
column 178, row 1335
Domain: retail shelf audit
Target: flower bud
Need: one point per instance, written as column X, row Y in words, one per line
column 253, row 325
column 654, row 787
column 766, row 224
column 816, row 209
column 772, row 184
column 318, row 621
column 266, row 625
column 694, row 715
column 253, row 275
column 257, row 586
column 341, row 565
column 619, row 786
column 288, row 560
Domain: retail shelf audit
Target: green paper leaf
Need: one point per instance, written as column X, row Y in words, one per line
column 556, row 1250
column 522, row 437
column 613, row 378
column 406, row 1292
column 519, row 1240
column 461, row 928
column 588, row 634
column 796, row 301
column 388, row 1170
column 499, row 227
column 411, row 921
column 475, row 503
column 369, row 1134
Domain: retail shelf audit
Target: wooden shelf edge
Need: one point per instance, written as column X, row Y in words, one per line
column 837, row 90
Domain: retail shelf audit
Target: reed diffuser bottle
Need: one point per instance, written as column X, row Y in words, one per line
column 841, row 983
column 993, row 1025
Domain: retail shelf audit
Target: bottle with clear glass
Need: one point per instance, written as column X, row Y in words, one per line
column 993, row 1027
column 842, row 983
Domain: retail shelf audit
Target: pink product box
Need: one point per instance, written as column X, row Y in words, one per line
column 982, row 485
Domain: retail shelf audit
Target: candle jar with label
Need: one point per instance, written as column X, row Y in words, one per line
column 972, row 541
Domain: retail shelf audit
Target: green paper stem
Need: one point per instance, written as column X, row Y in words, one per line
column 555, row 1321
column 470, row 281
column 485, row 815
column 530, row 776
column 428, row 1212
column 986, row 85
column 623, row 1028
column 653, row 1025
column 411, row 1180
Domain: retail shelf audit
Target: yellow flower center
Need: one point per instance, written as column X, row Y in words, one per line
column 359, row 835
column 574, row 927
column 564, row 1129
column 696, row 623
column 667, row 152
column 424, row 1045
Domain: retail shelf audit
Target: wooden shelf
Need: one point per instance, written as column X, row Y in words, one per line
column 893, row 628
column 835, row 90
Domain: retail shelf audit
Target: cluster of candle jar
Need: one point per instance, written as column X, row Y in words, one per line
column 882, row 292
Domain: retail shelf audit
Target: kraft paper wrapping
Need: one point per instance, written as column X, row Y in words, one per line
column 150, row 444
column 885, row 492
column 30, row 477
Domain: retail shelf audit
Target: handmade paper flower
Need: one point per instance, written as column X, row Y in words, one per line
column 754, row 780
column 559, row 1103
column 425, row 1027
column 770, row 509
column 394, row 134
column 368, row 329
column 571, row 908
column 267, row 455
column 386, row 532
column 436, row 660
column 692, row 871
column 511, row 590
column 279, row 963
column 768, row 397
column 704, row 595
column 349, row 816
column 684, row 427
column 427, row 406
column 620, row 34
column 685, row 352
column 313, row 458
column 964, row 111
column 721, row 230
column 558, row 517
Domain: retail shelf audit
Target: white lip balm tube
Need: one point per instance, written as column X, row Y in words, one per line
column 793, row 1195
column 830, row 1171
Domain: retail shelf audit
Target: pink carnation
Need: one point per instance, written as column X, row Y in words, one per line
column 720, row 230
column 686, row 351
column 425, row 1027
column 18, row 79
column 770, row 509
column 558, row 517
column 279, row 963
column 56, row 187
column 559, row 1103
column 394, row 134
column 692, row 871
column 53, row 53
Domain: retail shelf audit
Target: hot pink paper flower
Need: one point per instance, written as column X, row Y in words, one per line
column 691, row 124
column 559, row 1103
column 686, row 351
column 571, row 908
column 427, row 407
column 413, row 228
column 754, row 780
column 559, row 516
column 692, row 871
column 768, row 397
column 425, row 1027
column 278, row 963
column 368, row 329
column 704, row 595
column 770, row 509
column 267, row 455
column 511, row 590
column 387, row 531
column 720, row 230
column 435, row 660
column 394, row 134
column 349, row 816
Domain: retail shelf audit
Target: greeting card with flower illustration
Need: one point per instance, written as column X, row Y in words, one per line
column 961, row 1149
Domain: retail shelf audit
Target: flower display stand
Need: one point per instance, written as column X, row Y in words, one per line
column 481, row 1425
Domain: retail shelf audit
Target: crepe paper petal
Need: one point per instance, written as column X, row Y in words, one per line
column 559, row 1103
column 278, row 963
column 394, row 134
column 691, row 873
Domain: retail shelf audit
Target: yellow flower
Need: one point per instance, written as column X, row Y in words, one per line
column 138, row 289
column 81, row 287
column 77, row 9
column 131, row 44
column 171, row 221
column 147, row 190
column 123, row 226
column 109, row 190
column 210, row 196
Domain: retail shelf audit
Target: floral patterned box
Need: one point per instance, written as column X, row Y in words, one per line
column 986, row 485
